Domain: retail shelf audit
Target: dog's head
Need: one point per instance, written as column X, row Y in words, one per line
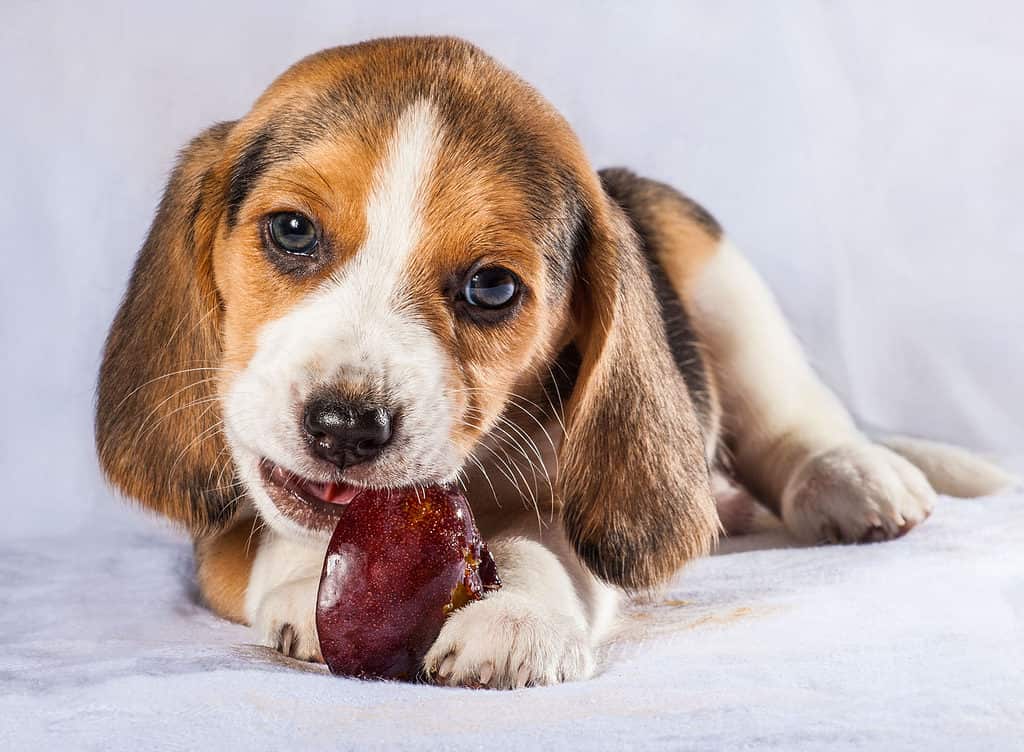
column 346, row 287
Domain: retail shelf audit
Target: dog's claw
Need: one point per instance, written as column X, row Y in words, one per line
column 486, row 672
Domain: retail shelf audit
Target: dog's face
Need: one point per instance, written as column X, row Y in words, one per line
column 347, row 287
column 386, row 281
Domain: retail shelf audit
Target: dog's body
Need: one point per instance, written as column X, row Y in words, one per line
column 400, row 269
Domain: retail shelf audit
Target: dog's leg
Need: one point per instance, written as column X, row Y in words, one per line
column 259, row 578
column 794, row 444
column 280, row 601
column 540, row 628
column 223, row 565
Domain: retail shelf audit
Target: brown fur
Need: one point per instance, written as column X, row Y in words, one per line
column 157, row 419
column 682, row 234
column 223, row 564
column 334, row 191
column 513, row 187
column 633, row 481
column 486, row 362
column 679, row 237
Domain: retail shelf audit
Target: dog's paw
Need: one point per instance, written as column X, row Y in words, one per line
column 286, row 620
column 856, row 493
column 505, row 642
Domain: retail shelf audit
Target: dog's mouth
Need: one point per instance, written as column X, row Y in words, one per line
column 309, row 503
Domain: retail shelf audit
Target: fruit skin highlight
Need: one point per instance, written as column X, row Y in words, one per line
column 399, row 561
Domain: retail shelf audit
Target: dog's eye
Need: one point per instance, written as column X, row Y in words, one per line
column 491, row 287
column 293, row 233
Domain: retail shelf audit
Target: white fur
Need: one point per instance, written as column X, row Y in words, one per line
column 951, row 470
column 540, row 628
column 514, row 639
column 791, row 432
column 855, row 492
column 356, row 330
column 282, row 593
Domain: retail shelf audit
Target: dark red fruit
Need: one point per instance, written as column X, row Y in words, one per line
column 398, row 563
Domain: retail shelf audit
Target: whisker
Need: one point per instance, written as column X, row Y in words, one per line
column 516, row 445
column 208, row 401
column 504, row 467
column 256, row 521
column 155, row 410
column 483, row 471
column 314, row 169
column 201, row 437
column 153, row 380
column 224, row 450
column 531, row 444
column 212, row 309
column 306, row 191
column 532, row 490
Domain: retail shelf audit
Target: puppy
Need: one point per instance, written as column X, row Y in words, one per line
column 400, row 269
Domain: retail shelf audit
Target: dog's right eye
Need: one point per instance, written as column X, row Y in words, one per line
column 293, row 233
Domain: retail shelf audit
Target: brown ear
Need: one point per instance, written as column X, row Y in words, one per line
column 633, row 477
column 157, row 418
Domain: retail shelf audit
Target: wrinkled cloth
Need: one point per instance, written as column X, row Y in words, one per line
column 913, row 644
column 867, row 157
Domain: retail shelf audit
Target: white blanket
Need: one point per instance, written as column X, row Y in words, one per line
column 915, row 644
column 870, row 159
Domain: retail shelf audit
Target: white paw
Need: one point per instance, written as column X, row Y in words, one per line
column 286, row 620
column 506, row 641
column 856, row 493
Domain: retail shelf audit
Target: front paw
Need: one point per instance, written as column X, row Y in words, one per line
column 505, row 641
column 854, row 494
column 286, row 620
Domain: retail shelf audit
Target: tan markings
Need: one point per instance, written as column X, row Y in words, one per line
column 475, row 217
column 330, row 182
column 223, row 565
column 473, row 212
column 684, row 246
column 682, row 235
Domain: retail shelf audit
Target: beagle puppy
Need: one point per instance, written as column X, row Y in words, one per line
column 398, row 269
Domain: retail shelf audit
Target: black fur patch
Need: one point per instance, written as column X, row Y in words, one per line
column 633, row 192
column 214, row 500
column 246, row 171
column 682, row 339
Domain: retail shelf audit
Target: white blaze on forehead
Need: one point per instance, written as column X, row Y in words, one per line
column 394, row 211
column 354, row 329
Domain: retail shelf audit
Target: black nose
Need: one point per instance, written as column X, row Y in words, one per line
column 346, row 433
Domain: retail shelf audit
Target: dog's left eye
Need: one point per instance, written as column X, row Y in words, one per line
column 293, row 233
column 491, row 287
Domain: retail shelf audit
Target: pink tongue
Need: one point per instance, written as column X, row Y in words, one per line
column 334, row 493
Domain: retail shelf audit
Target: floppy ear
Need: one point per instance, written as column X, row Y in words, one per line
column 157, row 416
column 633, row 478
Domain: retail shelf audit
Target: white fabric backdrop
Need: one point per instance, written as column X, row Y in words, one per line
column 870, row 159
column 868, row 156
